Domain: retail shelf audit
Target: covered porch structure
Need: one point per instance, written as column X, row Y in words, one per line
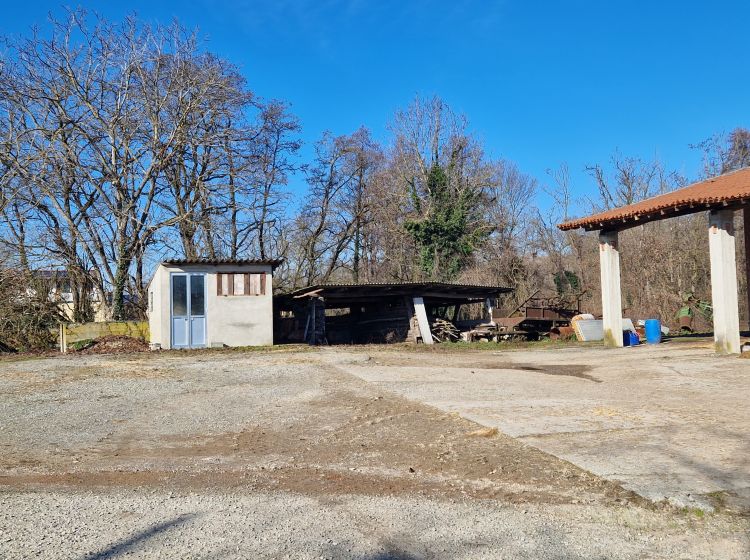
column 722, row 197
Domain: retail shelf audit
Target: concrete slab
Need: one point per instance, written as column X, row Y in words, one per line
column 669, row 421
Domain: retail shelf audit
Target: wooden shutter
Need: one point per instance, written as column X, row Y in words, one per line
column 248, row 286
column 231, row 284
column 238, row 280
column 262, row 283
column 219, row 285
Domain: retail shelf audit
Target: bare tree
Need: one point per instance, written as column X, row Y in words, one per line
column 116, row 136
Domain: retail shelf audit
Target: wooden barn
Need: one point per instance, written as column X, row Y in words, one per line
column 377, row 312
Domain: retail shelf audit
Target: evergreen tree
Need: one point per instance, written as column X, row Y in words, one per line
column 448, row 233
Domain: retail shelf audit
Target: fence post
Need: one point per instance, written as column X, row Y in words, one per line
column 63, row 342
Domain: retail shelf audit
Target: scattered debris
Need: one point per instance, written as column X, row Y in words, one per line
column 444, row 331
column 587, row 327
column 562, row 333
column 113, row 344
column 483, row 432
column 536, row 317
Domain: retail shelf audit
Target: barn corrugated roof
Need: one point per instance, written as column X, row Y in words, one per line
column 388, row 289
column 214, row 262
column 717, row 192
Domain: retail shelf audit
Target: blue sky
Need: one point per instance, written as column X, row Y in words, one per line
column 542, row 82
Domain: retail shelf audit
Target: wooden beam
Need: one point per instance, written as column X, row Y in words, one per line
column 309, row 294
column 621, row 224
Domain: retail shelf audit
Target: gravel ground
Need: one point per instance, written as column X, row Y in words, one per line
column 152, row 524
column 285, row 455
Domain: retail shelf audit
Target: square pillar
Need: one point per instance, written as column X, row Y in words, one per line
column 609, row 262
column 724, row 281
column 488, row 305
column 422, row 320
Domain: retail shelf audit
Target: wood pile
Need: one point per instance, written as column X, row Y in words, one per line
column 444, row 331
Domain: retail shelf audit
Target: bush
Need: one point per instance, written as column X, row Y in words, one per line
column 28, row 319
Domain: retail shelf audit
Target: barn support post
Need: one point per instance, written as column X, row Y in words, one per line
column 609, row 262
column 724, row 290
column 424, row 323
column 490, row 307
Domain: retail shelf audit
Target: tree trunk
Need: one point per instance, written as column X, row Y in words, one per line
column 121, row 277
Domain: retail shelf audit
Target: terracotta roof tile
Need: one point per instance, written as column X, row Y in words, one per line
column 730, row 188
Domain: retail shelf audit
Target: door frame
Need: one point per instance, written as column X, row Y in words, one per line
column 189, row 315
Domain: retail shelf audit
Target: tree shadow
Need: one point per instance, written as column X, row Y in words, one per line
column 126, row 545
column 391, row 555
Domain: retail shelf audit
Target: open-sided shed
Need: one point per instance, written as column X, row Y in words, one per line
column 721, row 197
column 373, row 312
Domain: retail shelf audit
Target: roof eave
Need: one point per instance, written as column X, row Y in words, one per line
column 594, row 223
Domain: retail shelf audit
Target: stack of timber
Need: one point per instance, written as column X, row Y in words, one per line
column 444, row 331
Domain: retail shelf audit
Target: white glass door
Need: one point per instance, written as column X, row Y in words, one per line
column 188, row 297
column 197, row 310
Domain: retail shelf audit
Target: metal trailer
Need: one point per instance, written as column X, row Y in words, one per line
column 534, row 318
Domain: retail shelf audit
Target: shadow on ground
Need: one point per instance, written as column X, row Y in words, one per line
column 126, row 546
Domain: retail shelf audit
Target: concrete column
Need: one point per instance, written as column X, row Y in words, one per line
column 724, row 281
column 609, row 263
column 422, row 320
column 488, row 305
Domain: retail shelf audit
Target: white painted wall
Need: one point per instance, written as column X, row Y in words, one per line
column 230, row 320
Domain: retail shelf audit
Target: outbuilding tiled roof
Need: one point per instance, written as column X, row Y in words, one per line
column 728, row 190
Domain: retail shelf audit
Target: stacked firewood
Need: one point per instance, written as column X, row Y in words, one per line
column 444, row 331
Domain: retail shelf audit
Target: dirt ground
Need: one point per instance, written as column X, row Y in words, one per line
column 101, row 431
column 335, row 435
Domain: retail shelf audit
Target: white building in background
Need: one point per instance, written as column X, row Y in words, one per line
column 199, row 303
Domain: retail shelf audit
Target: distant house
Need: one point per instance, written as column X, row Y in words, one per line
column 198, row 303
column 60, row 291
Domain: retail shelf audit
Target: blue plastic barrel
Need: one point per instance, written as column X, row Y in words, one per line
column 653, row 331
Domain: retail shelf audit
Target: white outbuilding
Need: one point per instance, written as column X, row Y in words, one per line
column 199, row 303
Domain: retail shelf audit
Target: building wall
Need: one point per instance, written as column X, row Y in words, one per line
column 99, row 312
column 158, row 299
column 230, row 320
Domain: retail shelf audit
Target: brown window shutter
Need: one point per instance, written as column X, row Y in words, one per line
column 248, row 291
column 263, row 283
column 231, row 283
column 218, row 284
